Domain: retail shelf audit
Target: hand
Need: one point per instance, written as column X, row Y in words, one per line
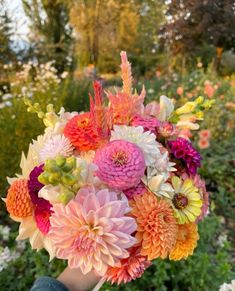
column 75, row 280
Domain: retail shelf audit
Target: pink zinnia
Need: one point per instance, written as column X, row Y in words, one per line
column 182, row 149
column 147, row 122
column 138, row 190
column 92, row 231
column 130, row 269
column 120, row 163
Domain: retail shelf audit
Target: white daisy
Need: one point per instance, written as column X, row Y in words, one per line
column 56, row 145
column 144, row 140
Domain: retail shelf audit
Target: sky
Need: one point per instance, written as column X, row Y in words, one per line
column 20, row 22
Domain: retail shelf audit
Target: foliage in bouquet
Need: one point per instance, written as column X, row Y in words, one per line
column 40, row 84
column 113, row 188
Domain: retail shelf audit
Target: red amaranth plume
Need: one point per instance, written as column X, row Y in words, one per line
column 100, row 115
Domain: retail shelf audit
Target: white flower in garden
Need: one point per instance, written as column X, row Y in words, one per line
column 222, row 239
column 6, row 96
column 64, row 75
column 144, row 140
column 5, row 232
column 6, row 256
column 228, row 286
column 56, row 145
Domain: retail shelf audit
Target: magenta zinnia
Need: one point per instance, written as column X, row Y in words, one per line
column 183, row 150
column 149, row 123
column 92, row 231
column 121, row 164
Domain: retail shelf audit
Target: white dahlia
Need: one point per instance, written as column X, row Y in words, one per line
column 145, row 140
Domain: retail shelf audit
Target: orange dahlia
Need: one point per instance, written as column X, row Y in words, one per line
column 186, row 241
column 130, row 268
column 81, row 132
column 156, row 225
column 18, row 200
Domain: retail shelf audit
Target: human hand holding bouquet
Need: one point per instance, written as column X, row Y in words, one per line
column 114, row 188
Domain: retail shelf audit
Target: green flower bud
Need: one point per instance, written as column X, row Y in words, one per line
column 60, row 161
column 50, row 108
column 51, row 166
column 53, row 179
column 40, row 114
column 36, row 106
column 44, row 178
column 68, row 179
column 199, row 100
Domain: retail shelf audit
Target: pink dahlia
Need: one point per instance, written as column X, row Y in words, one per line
column 92, row 231
column 137, row 190
column 42, row 215
column 34, row 185
column 130, row 269
column 42, row 207
column 120, row 163
column 182, row 149
column 147, row 122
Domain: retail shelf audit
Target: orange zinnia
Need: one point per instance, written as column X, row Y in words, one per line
column 81, row 132
column 156, row 225
column 186, row 241
column 18, row 200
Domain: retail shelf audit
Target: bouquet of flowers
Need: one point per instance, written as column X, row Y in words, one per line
column 114, row 188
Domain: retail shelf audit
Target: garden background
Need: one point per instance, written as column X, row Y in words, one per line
column 52, row 50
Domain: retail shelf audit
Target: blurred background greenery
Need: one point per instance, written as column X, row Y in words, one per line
column 52, row 50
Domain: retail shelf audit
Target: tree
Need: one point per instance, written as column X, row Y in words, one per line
column 6, row 52
column 194, row 23
column 103, row 29
column 51, row 34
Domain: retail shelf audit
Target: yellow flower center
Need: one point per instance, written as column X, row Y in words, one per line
column 180, row 201
column 120, row 158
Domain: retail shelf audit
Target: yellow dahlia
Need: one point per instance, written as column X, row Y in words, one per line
column 186, row 242
column 186, row 200
column 156, row 225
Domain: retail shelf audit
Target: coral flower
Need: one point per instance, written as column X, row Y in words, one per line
column 92, row 231
column 186, row 201
column 205, row 133
column 180, row 91
column 131, row 268
column 121, row 164
column 186, row 242
column 80, row 131
column 18, row 200
column 183, row 150
column 156, row 225
column 203, row 143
